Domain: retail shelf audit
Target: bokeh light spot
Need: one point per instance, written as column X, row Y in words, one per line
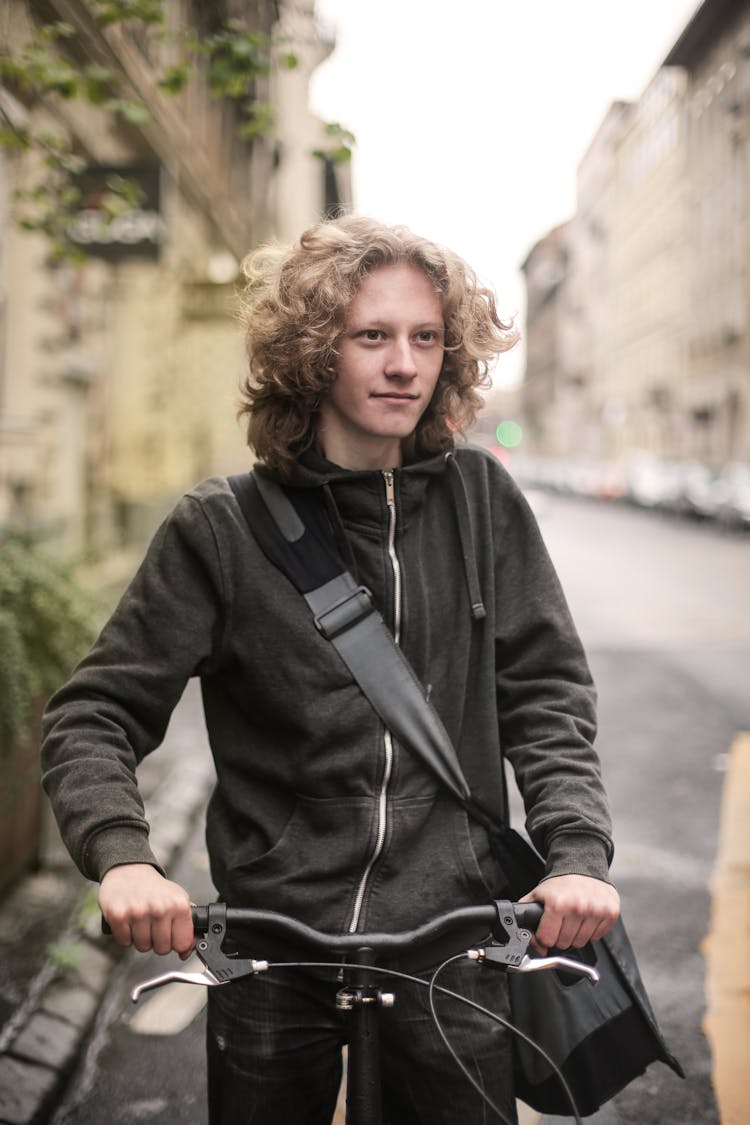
column 509, row 434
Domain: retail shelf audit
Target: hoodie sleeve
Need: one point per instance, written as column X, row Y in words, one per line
column 116, row 706
column 547, row 701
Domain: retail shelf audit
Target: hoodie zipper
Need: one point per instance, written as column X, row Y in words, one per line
column 390, row 497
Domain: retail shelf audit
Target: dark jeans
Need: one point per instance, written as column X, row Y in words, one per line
column 274, row 1051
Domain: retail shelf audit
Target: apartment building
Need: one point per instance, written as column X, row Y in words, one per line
column 714, row 52
column 547, row 383
column 657, row 266
column 647, row 309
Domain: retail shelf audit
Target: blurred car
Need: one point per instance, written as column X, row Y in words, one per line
column 652, row 482
column 696, row 490
column 731, row 494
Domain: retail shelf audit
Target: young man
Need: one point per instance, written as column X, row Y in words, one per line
column 366, row 347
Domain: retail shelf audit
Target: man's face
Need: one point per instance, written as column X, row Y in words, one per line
column 389, row 360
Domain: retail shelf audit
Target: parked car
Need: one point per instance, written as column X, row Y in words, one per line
column 731, row 494
column 696, row 490
column 653, row 482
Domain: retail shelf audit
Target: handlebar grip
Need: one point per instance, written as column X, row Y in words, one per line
column 528, row 914
column 200, row 919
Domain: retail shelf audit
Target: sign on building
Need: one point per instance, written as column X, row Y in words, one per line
column 135, row 231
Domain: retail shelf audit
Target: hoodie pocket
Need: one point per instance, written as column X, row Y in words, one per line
column 313, row 868
column 429, row 866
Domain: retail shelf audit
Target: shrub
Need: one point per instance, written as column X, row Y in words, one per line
column 46, row 625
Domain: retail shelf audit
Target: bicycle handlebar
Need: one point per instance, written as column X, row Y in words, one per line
column 526, row 915
column 509, row 924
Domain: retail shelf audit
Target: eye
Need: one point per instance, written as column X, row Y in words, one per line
column 371, row 335
column 428, row 336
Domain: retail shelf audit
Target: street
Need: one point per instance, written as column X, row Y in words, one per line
column 663, row 607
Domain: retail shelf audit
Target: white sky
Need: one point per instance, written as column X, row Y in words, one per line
column 471, row 115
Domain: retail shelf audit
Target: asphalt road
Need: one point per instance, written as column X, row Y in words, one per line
column 664, row 609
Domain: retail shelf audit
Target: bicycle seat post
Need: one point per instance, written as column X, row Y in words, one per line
column 361, row 999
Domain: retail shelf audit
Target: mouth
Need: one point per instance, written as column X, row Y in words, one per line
column 394, row 396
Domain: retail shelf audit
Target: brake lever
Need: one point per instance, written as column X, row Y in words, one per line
column 512, row 952
column 509, row 940
column 174, row 977
column 218, row 968
column 566, row 964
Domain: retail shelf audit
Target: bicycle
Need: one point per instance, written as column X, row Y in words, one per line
column 508, row 927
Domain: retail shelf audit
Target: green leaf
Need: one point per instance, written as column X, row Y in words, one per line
column 108, row 12
column 342, row 154
column 98, row 83
column 66, row 956
column 340, row 150
column 259, row 120
column 135, row 113
column 58, row 29
column 334, row 129
column 174, row 79
column 129, row 191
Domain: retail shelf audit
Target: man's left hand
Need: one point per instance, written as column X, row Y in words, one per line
column 577, row 909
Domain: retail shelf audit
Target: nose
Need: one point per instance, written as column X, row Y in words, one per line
column 400, row 359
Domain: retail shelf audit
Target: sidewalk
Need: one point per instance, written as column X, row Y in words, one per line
column 50, row 924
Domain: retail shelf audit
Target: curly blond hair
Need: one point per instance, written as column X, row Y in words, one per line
column 294, row 308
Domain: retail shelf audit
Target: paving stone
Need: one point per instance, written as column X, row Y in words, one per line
column 70, row 1002
column 47, row 1040
column 30, row 1068
column 93, row 969
column 23, row 1090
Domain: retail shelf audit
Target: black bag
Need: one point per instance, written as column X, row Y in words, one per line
column 600, row 1037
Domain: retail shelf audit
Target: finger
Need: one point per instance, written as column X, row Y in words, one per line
column 120, row 930
column 593, row 926
column 539, row 949
column 183, row 934
column 548, row 930
column 161, row 934
column 603, row 928
column 569, row 932
column 586, row 932
column 140, row 929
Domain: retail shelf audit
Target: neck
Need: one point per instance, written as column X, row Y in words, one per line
column 382, row 455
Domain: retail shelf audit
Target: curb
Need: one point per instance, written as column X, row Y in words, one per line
column 42, row 1041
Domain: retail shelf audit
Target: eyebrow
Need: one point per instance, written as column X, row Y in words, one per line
column 378, row 322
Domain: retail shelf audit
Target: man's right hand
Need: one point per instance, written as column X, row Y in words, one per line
column 146, row 910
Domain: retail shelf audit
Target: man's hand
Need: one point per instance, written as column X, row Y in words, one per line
column 146, row 910
column 577, row 909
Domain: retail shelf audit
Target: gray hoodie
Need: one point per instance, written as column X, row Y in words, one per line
column 316, row 811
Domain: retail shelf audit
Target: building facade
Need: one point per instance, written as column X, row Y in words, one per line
column 546, row 272
column 592, row 241
column 647, row 302
column 657, row 265
column 714, row 51
column 119, row 375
